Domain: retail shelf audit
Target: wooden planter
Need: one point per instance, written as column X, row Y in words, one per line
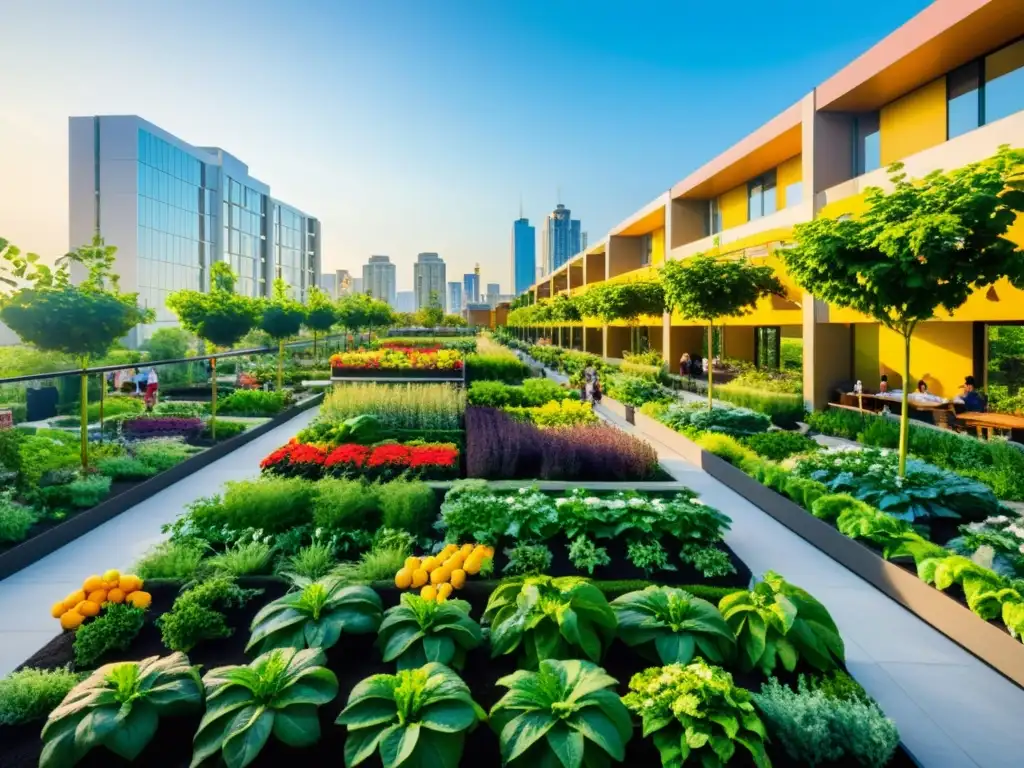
column 988, row 642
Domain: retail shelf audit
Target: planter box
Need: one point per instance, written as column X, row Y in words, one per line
column 29, row 551
column 396, row 374
column 986, row 641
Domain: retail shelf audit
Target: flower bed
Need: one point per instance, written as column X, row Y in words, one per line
column 381, row 462
column 161, row 426
column 404, row 360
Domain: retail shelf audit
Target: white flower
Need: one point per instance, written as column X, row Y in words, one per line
column 592, row 500
column 510, row 500
column 636, row 502
column 697, row 501
column 618, row 504
column 523, row 491
column 560, row 502
column 998, row 520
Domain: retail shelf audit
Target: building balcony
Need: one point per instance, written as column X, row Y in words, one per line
column 776, row 226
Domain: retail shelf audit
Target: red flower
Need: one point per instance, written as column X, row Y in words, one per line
column 395, row 455
column 433, row 456
column 347, row 454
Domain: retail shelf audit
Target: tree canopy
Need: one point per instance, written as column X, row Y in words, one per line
column 220, row 317
column 321, row 312
column 628, row 302
column 360, row 310
column 282, row 315
column 454, row 321
column 705, row 287
column 432, row 314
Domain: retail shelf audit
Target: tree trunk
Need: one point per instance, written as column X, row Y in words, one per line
column 314, row 347
column 85, row 416
column 711, row 369
column 905, row 410
column 213, row 399
column 103, row 397
column 280, row 364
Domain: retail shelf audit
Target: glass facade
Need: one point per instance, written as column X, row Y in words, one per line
column 761, row 196
column 175, row 222
column 867, row 143
column 244, row 213
column 985, row 90
column 289, row 246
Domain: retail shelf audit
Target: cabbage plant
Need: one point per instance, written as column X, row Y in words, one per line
column 566, row 713
column 417, row 631
column 315, row 615
column 418, row 718
column 277, row 695
column 119, row 707
column 671, row 625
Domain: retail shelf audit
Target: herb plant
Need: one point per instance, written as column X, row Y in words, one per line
column 197, row 613
column 278, row 694
column 112, row 630
column 315, row 616
column 672, row 626
column 31, row 694
column 710, row 561
column 586, row 556
column 777, row 621
column 417, row 631
column 550, row 619
column 419, row 717
column 119, row 707
column 525, row 559
column 696, row 711
column 566, row 713
column 649, row 556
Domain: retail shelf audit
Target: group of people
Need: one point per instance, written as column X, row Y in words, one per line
column 971, row 399
column 591, row 386
column 694, row 366
column 146, row 383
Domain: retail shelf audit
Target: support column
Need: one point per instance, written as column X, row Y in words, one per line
column 827, row 354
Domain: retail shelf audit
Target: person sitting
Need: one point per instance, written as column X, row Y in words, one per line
column 883, row 385
column 972, row 399
column 923, row 395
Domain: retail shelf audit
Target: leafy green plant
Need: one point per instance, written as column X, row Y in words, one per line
column 424, row 407
column 277, row 694
column 779, row 622
column 197, row 614
column 779, row 445
column 313, row 561
column 271, row 504
column 32, row 694
column 417, row 631
column 566, row 713
column 636, row 390
column 729, row 448
column 526, row 559
column 563, row 413
column 86, row 492
column 170, row 560
column 985, row 590
column 738, row 422
column 471, row 512
column 419, row 717
column 709, row 560
column 341, row 505
column 114, row 629
column 162, row 454
column 586, row 556
column 119, row 707
column 379, row 564
column 407, row 506
column 15, row 519
column 315, row 616
column 247, row 558
column 125, row 468
column 254, row 402
column 649, row 556
column 889, row 533
column 695, row 711
column 550, row 618
column 815, row 727
column 672, row 626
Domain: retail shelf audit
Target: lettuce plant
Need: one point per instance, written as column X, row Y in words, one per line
column 776, row 621
column 315, row 616
column 671, row 625
column 278, row 694
column 417, row 631
column 986, row 591
column 566, row 713
column 550, row 618
column 695, row 711
column 119, row 707
column 417, row 718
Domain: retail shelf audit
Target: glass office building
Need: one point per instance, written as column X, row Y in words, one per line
column 173, row 209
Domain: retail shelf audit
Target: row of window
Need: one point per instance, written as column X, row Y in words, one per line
column 243, row 220
column 985, row 90
column 174, row 221
column 250, row 199
column 159, row 275
column 162, row 246
column 157, row 185
column 162, row 156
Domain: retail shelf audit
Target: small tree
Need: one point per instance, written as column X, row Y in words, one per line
column 321, row 314
column 927, row 244
column 707, row 288
column 431, row 315
column 453, row 321
column 83, row 320
column 221, row 318
column 282, row 319
column 625, row 302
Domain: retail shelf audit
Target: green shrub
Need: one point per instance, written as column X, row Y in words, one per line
column 118, row 405
column 778, row 445
column 45, row 451
column 225, row 430
column 124, row 468
column 183, row 409
column 830, row 506
column 376, row 565
column 408, row 506
column 532, row 393
column 313, row 561
column 739, row 422
column 815, row 728
column 636, row 390
column 112, row 630
column 15, row 519
column 784, row 410
column 170, row 560
column 837, row 422
column 197, row 614
column 493, row 394
column 10, row 450
column 728, row 448
column 496, row 366
column 250, row 558
column 565, row 413
column 81, row 493
column 652, row 372
column 346, row 505
column 270, row 504
column 253, row 402
column 32, row 694
column 162, row 453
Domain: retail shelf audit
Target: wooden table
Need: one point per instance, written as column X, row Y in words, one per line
column 991, row 421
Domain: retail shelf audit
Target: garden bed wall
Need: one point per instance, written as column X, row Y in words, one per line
column 38, row 547
column 986, row 641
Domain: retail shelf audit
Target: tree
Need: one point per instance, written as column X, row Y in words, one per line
column 929, row 243
column 321, row 313
column 83, row 320
column 628, row 302
column 454, row 321
column 360, row 310
column 221, row 318
column 167, row 344
column 707, row 288
column 432, row 314
column 282, row 319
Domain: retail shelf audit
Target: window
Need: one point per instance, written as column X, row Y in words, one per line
column 767, row 347
column 1004, row 82
column 964, row 100
column 713, row 224
column 646, row 250
column 794, row 194
column 867, row 144
column 761, row 196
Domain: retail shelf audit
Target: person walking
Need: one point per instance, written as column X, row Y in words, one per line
column 589, row 381
column 152, row 384
column 684, row 365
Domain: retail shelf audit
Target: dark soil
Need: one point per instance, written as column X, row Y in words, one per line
column 353, row 659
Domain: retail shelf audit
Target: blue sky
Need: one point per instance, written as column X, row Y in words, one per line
column 416, row 125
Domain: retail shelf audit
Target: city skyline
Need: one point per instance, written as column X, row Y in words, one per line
column 412, row 120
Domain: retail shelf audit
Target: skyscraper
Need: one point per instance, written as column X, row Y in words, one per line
column 329, row 283
column 379, row 279
column 405, row 301
column 174, row 209
column 454, row 298
column 470, row 288
column 493, row 294
column 429, row 280
column 560, row 239
column 357, row 285
column 524, row 255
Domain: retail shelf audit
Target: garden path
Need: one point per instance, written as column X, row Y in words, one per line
column 952, row 710
column 26, row 625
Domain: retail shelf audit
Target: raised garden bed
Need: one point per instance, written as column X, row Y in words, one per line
column 396, row 374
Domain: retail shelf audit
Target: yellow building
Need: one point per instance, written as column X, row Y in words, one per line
column 943, row 90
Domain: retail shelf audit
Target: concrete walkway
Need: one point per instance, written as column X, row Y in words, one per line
column 25, row 622
column 952, row 710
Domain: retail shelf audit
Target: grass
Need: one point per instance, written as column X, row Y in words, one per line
column 376, row 565
column 170, row 560
column 397, row 406
column 253, row 558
